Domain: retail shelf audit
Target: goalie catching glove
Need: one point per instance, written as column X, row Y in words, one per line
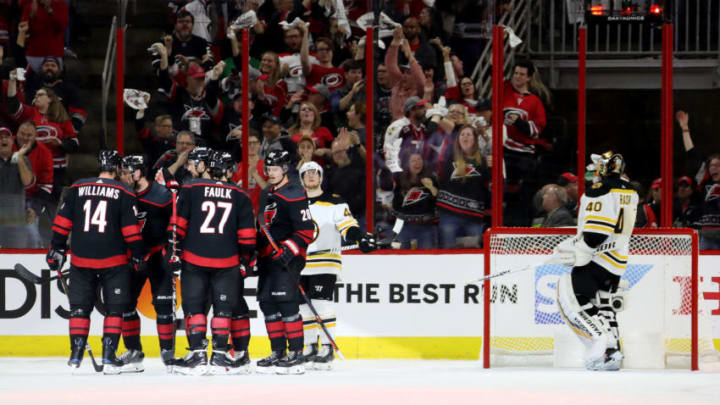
column 573, row 252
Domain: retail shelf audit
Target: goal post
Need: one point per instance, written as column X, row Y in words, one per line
column 663, row 324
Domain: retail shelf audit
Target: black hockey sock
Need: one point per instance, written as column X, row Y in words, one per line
column 111, row 333
column 166, row 331
column 196, row 326
column 240, row 330
column 220, row 331
column 131, row 331
column 294, row 331
column 276, row 333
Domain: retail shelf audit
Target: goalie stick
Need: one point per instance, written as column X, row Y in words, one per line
column 304, row 295
column 511, row 271
column 394, row 232
column 23, row 272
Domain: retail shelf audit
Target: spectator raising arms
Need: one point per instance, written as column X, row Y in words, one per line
column 47, row 20
column 322, row 72
column 464, row 196
column 54, row 127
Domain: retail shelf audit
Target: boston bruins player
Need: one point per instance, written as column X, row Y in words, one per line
column 333, row 223
column 598, row 256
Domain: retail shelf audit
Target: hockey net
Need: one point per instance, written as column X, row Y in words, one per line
column 663, row 325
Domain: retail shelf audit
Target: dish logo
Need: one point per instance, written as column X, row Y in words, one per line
column 546, row 278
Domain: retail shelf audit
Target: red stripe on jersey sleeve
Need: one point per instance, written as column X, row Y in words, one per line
column 61, row 231
column 306, row 234
column 63, row 222
column 130, row 230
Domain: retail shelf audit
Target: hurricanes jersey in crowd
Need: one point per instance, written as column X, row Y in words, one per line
column 102, row 216
column 609, row 208
column 215, row 223
column 154, row 211
column 286, row 214
column 332, row 219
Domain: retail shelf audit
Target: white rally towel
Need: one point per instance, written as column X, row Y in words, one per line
column 136, row 99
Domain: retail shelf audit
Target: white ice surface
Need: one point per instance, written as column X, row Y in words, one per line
column 47, row 381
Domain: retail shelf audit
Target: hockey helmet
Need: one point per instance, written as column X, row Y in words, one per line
column 200, row 154
column 220, row 163
column 109, row 160
column 278, row 158
column 307, row 166
column 134, row 162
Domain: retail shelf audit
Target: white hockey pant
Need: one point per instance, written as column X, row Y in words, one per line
column 326, row 310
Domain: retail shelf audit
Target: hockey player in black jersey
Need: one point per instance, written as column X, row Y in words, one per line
column 216, row 233
column 101, row 214
column 154, row 210
column 284, row 211
column 334, row 223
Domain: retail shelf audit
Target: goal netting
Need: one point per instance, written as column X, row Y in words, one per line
column 663, row 324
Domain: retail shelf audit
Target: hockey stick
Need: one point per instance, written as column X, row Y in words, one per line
column 23, row 272
column 397, row 227
column 26, row 274
column 511, row 271
column 304, row 295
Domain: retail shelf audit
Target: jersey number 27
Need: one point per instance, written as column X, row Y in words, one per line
column 211, row 207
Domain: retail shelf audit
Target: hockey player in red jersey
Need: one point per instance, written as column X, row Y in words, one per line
column 101, row 214
column 154, row 210
column 284, row 211
column 215, row 231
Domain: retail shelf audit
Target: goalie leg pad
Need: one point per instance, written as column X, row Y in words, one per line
column 589, row 328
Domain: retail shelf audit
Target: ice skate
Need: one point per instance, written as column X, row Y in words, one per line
column 267, row 365
column 292, row 363
column 132, row 361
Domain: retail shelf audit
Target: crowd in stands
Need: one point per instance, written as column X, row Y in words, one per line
column 431, row 131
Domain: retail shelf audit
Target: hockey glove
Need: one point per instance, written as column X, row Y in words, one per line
column 55, row 258
column 367, row 243
column 284, row 256
column 249, row 269
column 137, row 263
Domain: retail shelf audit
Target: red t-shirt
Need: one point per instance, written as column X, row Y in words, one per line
column 47, row 31
column 47, row 131
column 453, row 93
column 322, row 137
column 332, row 77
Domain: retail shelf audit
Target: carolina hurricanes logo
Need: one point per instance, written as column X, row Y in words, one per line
column 45, row 132
column 332, row 80
column 470, row 171
column 520, row 113
column 414, row 196
column 270, row 211
column 194, row 113
column 296, row 71
column 713, row 192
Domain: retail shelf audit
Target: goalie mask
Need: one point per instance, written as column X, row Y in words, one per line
column 607, row 164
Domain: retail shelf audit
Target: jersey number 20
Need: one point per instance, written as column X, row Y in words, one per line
column 211, row 207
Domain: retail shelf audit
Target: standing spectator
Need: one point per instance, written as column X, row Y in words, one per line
column 308, row 124
column 54, row 128
column 464, row 196
column 407, row 134
column 203, row 25
column 183, row 44
column 525, row 119
column 408, row 82
column 420, row 47
column 322, row 72
column 51, row 76
column 17, row 176
column 269, row 89
column 171, row 165
column 648, row 215
column 463, row 92
column 158, row 138
column 414, row 203
column 346, row 172
column 47, row 20
column 356, row 120
column 290, row 64
column 198, row 103
column 351, row 91
column 306, row 152
column 274, row 137
column 383, row 94
column 40, row 204
column 685, row 207
column 554, row 203
column 257, row 180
